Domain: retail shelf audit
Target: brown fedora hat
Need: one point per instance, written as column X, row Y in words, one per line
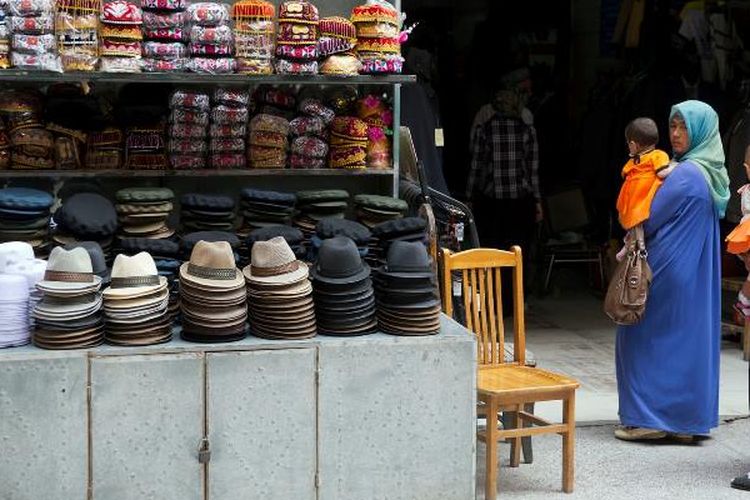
column 212, row 266
column 273, row 263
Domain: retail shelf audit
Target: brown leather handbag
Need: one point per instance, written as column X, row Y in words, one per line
column 626, row 297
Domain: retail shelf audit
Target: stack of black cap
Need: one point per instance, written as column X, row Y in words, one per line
column 330, row 228
column 24, row 216
column 384, row 234
column 264, row 208
column 313, row 206
column 407, row 292
column 87, row 217
column 293, row 236
column 372, row 209
column 342, row 290
column 202, row 212
column 144, row 212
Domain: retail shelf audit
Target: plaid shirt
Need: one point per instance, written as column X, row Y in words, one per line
column 504, row 160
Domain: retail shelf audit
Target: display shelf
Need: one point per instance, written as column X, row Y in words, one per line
column 321, row 172
column 12, row 75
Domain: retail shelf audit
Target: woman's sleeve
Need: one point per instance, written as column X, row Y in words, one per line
column 668, row 201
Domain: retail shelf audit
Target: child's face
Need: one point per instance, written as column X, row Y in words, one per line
column 633, row 148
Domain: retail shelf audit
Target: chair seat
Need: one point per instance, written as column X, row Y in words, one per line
column 519, row 381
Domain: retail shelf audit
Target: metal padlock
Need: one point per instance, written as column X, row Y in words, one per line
column 204, row 454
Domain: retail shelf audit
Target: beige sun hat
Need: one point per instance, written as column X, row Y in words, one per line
column 273, row 263
column 69, row 271
column 212, row 266
column 134, row 276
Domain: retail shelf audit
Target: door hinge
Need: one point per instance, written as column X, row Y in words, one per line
column 204, row 453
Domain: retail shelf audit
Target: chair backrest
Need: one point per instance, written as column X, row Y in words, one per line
column 481, row 288
column 566, row 211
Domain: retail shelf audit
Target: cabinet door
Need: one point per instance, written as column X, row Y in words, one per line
column 43, row 427
column 147, row 415
column 262, row 424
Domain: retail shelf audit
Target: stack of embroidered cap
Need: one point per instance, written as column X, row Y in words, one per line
column 33, row 27
column 279, row 294
column 76, row 25
column 348, row 143
column 17, row 258
column 14, row 308
column 372, row 209
column 297, row 38
column 136, row 302
column 166, row 254
column 378, row 37
column 275, row 101
column 309, row 144
column 254, row 36
column 412, row 229
column 228, row 129
column 293, row 236
column 268, row 141
column 313, row 206
column 87, row 217
column 164, row 30
column 214, row 307
column 69, row 317
column 338, row 38
column 265, row 208
column 373, row 110
column 4, row 37
column 330, row 228
column 104, row 150
column 203, row 212
column 342, row 289
column 188, row 129
column 121, row 36
column 407, row 293
column 24, row 216
column 143, row 212
column 211, row 40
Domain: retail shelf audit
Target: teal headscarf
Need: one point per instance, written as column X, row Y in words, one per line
column 705, row 148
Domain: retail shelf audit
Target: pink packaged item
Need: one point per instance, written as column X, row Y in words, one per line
column 226, row 115
column 253, row 45
column 187, row 162
column 201, row 49
column 164, row 65
column 33, row 44
column 254, row 66
column 208, row 13
column 311, row 147
column 120, row 65
column 212, row 35
column 307, row 125
column 188, row 116
column 225, row 161
column 120, row 49
column 284, row 67
column 122, row 12
column 232, row 97
column 164, row 4
column 294, row 33
column 298, row 161
column 212, row 66
column 187, row 146
column 161, row 20
column 41, row 62
column 183, row 130
column 328, row 46
column 171, row 34
column 227, row 145
column 185, row 99
column 300, row 52
column 37, row 25
column 313, row 107
column 29, row 8
column 164, row 50
column 222, row 130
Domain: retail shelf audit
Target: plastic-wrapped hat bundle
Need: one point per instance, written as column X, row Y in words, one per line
column 205, row 212
column 14, row 307
column 268, row 141
column 336, row 44
column 211, row 45
column 297, row 38
column 4, row 36
column 69, row 315
column 136, row 303
column 342, row 289
column 121, row 37
column 17, row 258
column 378, row 37
column 76, row 27
column 378, row 116
column 25, row 215
column 104, row 149
column 265, row 208
column 32, row 146
column 348, row 143
column 145, row 148
column 87, row 217
column 143, row 212
column 407, row 292
column 32, row 27
column 228, row 129
column 280, row 303
column 188, row 129
column 275, row 101
column 165, row 32
column 254, row 36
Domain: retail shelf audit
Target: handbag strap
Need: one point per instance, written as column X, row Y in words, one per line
column 640, row 238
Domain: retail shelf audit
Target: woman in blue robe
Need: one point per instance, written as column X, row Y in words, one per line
column 668, row 364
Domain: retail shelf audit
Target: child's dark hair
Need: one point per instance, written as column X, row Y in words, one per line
column 642, row 131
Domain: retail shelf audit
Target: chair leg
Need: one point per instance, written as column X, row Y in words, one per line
column 549, row 272
column 602, row 284
column 569, row 443
column 515, row 443
column 528, row 452
column 490, row 474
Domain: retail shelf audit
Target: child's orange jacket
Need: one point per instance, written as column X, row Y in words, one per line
column 641, row 183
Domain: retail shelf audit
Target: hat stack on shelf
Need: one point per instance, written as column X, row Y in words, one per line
column 275, row 101
column 313, row 206
column 104, row 149
column 87, row 217
column 164, row 28
column 268, row 141
column 293, row 236
column 254, row 36
column 377, row 115
column 14, row 308
column 297, row 38
column 211, row 41
column 69, row 315
column 98, row 260
column 330, row 228
column 264, row 208
column 309, row 148
column 407, row 293
column 378, row 37
column 4, row 36
column 76, row 28
column 143, row 212
column 413, row 229
column 279, row 294
column 136, row 302
column 342, row 288
column 338, row 38
column 121, row 37
column 188, row 129
column 17, row 258
column 145, row 148
column 32, row 146
column 228, row 129
column 203, row 212
column 24, row 216
column 348, row 143
column 34, row 47
column 372, row 209
column 214, row 300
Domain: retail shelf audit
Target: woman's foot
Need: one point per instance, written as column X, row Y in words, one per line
column 742, row 482
column 638, row 434
column 683, row 438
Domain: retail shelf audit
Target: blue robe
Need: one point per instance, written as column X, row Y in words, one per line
column 668, row 364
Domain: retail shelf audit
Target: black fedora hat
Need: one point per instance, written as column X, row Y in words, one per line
column 339, row 262
column 407, row 259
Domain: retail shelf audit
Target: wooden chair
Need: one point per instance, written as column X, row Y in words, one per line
column 503, row 386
